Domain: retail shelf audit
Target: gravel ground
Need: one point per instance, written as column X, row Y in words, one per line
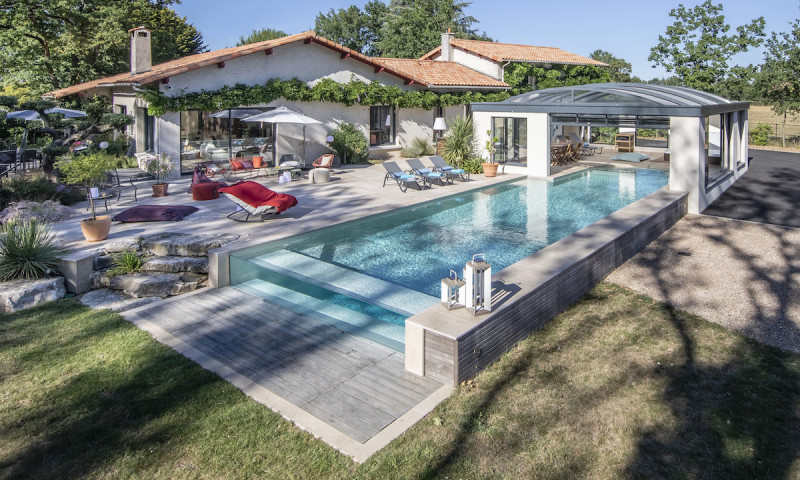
column 742, row 275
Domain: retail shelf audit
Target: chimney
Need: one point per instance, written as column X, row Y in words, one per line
column 447, row 46
column 141, row 60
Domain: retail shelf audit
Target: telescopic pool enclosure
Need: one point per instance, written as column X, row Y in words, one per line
column 707, row 134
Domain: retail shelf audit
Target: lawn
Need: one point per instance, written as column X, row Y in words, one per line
column 617, row 386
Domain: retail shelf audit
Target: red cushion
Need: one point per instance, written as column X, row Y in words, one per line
column 257, row 161
column 237, row 165
column 206, row 191
column 256, row 195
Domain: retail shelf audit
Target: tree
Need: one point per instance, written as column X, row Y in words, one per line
column 49, row 44
column 619, row 69
column 779, row 79
column 261, row 36
column 697, row 47
column 412, row 28
column 353, row 28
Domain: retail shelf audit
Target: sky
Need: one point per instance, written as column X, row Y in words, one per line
column 626, row 28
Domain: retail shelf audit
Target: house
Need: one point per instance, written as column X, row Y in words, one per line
column 207, row 96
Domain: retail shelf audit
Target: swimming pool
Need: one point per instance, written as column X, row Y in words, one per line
column 371, row 274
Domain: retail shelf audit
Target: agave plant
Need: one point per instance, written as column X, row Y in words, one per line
column 459, row 142
column 28, row 250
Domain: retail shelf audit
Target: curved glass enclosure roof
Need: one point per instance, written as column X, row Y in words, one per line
column 617, row 99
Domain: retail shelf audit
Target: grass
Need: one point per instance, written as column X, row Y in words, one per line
column 617, row 386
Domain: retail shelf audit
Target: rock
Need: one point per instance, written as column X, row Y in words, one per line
column 184, row 287
column 193, row 277
column 152, row 284
column 115, row 301
column 18, row 294
column 176, row 264
column 122, row 246
column 184, row 244
column 102, row 262
column 98, row 279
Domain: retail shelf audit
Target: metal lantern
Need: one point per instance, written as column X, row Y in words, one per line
column 478, row 278
column 453, row 291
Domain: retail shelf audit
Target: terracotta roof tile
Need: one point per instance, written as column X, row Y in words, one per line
column 181, row 65
column 503, row 52
column 440, row 74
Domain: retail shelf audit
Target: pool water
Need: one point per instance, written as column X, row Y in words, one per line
column 394, row 262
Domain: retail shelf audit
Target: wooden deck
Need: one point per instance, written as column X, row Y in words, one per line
column 352, row 384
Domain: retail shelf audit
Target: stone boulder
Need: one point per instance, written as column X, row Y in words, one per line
column 123, row 245
column 176, row 264
column 105, row 298
column 19, row 294
column 184, row 244
column 152, row 284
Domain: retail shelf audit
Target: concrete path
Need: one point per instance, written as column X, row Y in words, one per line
column 744, row 275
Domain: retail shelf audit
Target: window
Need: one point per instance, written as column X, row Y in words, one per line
column 215, row 137
column 149, row 131
column 717, row 147
column 381, row 125
column 512, row 139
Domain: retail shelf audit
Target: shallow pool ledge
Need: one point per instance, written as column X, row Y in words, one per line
column 453, row 346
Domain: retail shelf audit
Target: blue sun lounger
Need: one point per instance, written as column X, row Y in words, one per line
column 441, row 166
column 426, row 173
column 402, row 178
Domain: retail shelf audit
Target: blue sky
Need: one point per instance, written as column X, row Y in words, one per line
column 626, row 28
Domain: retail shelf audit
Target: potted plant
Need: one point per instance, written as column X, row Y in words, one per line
column 89, row 171
column 490, row 167
column 160, row 167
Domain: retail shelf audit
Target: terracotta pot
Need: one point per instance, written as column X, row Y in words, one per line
column 490, row 169
column 160, row 189
column 257, row 161
column 96, row 230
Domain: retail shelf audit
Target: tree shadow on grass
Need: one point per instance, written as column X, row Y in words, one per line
column 738, row 418
column 89, row 419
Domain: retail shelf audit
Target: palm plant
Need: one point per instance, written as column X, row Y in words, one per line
column 459, row 142
column 28, row 250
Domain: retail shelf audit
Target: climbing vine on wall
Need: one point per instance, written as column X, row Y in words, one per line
column 326, row 90
column 524, row 77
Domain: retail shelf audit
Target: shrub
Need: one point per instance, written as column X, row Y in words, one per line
column 459, row 142
column 419, row 147
column 28, row 251
column 48, row 211
column 473, row 165
column 126, row 262
column 87, row 170
column 35, row 188
column 760, row 134
column 349, row 142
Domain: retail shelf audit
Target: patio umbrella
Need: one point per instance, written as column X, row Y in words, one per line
column 29, row 115
column 283, row 115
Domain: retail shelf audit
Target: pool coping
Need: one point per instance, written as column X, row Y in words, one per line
column 437, row 338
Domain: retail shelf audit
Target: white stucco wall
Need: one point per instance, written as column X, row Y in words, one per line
column 132, row 104
column 687, row 159
column 413, row 123
column 538, row 130
column 479, row 64
column 167, row 138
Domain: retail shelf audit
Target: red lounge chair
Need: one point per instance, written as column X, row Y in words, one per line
column 256, row 199
column 325, row 161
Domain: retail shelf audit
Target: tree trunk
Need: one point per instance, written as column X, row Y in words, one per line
column 783, row 131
